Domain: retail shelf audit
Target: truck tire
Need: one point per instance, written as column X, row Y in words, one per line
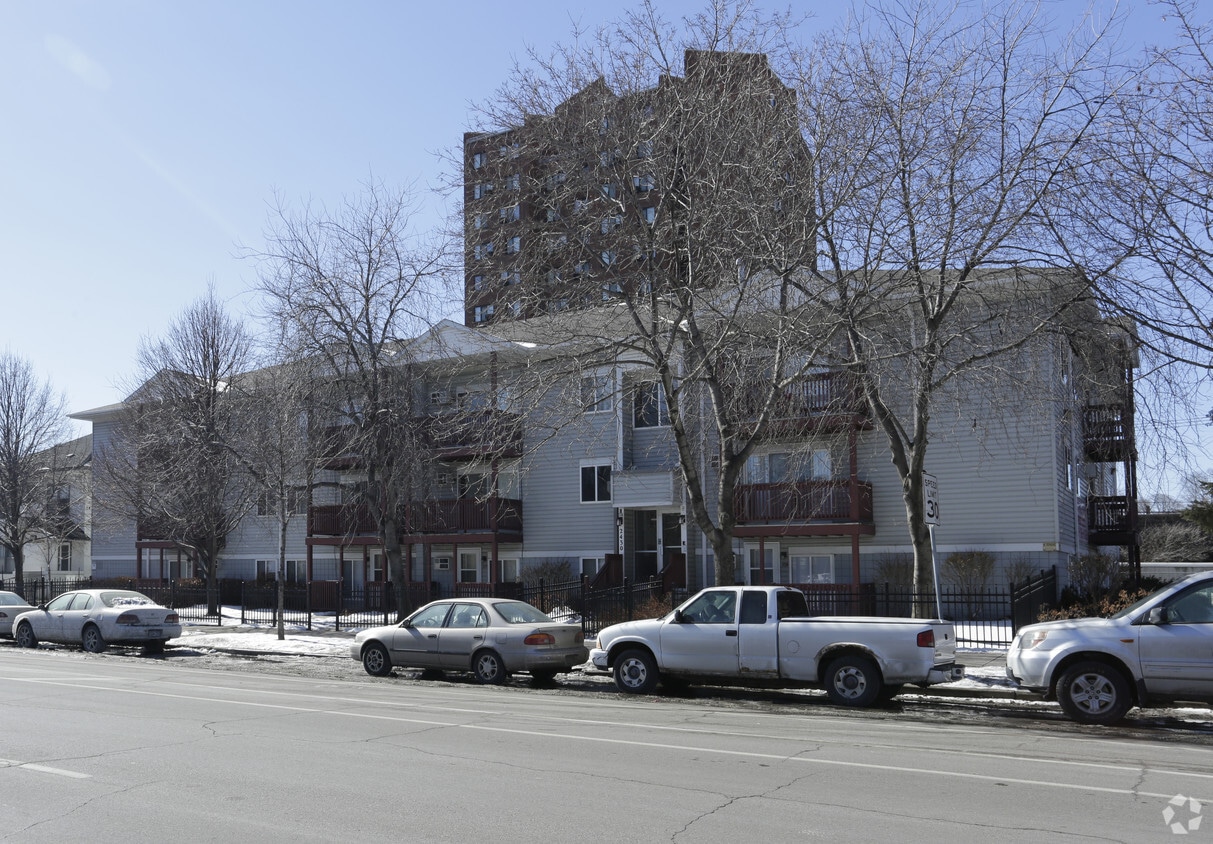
column 853, row 680
column 1094, row 693
column 636, row 672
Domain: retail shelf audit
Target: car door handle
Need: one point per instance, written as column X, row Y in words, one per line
column 432, row 636
column 730, row 632
column 477, row 638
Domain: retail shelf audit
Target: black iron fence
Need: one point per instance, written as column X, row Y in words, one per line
column 985, row 617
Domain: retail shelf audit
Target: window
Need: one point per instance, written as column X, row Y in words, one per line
column 513, row 181
column 609, row 224
column 811, row 568
column 595, row 483
column 611, row 291
column 604, row 125
column 513, row 245
column 375, row 571
column 431, row 617
column 482, row 313
column 591, row 565
column 468, row 615
column 642, row 184
column 607, row 256
column 552, row 277
column 480, row 221
column 481, row 189
column 644, row 149
column 510, row 277
column 712, row 608
column 65, row 556
column 477, row 282
column 482, row 250
column 649, row 409
column 552, row 214
column 597, row 393
column 478, row 160
column 649, row 214
column 511, row 213
column 609, row 190
column 582, row 268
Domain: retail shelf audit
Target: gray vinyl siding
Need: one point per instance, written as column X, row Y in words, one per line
column 113, row 542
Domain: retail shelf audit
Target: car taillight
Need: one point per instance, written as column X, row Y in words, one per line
column 926, row 639
column 172, row 618
column 539, row 639
column 128, row 618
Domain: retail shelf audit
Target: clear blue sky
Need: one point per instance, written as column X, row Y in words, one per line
column 142, row 141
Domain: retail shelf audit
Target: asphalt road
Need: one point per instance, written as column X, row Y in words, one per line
column 115, row 747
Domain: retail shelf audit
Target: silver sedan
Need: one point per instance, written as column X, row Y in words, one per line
column 11, row 606
column 97, row 618
column 489, row 637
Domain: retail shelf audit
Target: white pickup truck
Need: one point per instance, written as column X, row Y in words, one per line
column 763, row 636
column 1160, row 649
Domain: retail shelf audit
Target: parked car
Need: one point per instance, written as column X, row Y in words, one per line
column 97, row 618
column 763, row 636
column 1159, row 649
column 11, row 605
column 492, row 638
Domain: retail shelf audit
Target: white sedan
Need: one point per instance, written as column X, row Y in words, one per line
column 11, row 605
column 97, row 618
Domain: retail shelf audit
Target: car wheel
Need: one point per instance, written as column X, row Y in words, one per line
column 155, row 646
column 376, row 661
column 1094, row 693
column 25, row 636
column 91, row 638
column 853, row 680
column 488, row 668
column 636, row 672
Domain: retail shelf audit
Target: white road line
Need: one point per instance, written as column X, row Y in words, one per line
column 686, row 748
column 30, row 766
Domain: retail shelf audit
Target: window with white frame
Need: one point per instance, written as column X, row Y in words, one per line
column 810, row 568
column 478, row 160
column 597, row 393
column 482, row 313
column 649, row 408
column 65, row 556
column 590, row 566
column 596, row 483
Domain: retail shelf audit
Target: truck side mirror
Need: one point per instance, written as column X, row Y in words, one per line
column 1158, row 615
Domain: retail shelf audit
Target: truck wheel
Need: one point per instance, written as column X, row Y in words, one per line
column 1094, row 693
column 853, row 680
column 636, row 672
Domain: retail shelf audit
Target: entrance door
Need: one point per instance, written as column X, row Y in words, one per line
column 671, row 537
column 347, row 578
column 644, row 543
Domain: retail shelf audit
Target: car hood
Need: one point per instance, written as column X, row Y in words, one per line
column 639, row 627
column 1091, row 626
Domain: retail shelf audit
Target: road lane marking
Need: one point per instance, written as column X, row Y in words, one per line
column 746, row 754
column 46, row 769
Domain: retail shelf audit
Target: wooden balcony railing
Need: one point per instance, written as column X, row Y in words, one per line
column 1108, row 514
column 802, row 501
column 1106, row 432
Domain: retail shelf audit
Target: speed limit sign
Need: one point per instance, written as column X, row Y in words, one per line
column 930, row 498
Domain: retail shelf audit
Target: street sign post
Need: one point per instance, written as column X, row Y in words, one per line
column 930, row 507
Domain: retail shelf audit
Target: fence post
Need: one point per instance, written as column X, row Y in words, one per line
column 243, row 602
column 627, row 598
column 584, row 607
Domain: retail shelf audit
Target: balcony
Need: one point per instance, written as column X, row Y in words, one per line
column 486, row 433
column 420, row 517
column 827, row 401
column 1111, row 520
column 802, row 502
column 1107, row 433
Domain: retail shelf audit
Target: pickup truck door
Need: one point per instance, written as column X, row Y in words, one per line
column 758, row 636
column 704, row 641
column 1177, row 655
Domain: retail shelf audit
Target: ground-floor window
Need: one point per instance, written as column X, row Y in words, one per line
column 590, row 566
column 65, row 556
column 811, row 568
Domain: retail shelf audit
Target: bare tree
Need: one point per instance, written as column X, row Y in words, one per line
column 656, row 219
column 32, row 419
column 943, row 145
column 343, row 289
column 176, row 465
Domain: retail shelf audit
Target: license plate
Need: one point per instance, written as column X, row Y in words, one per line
column 154, row 633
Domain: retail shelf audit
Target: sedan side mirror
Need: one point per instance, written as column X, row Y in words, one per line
column 1158, row 615
column 679, row 618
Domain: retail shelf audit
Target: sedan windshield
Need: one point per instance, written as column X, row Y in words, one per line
column 520, row 612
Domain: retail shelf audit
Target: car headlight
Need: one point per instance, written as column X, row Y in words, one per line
column 1033, row 640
